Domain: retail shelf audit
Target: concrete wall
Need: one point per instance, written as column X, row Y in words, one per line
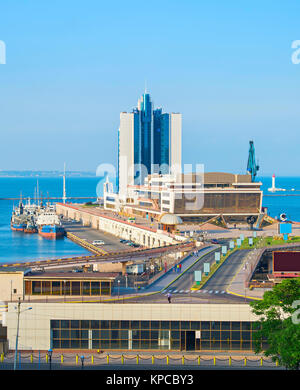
column 11, row 286
column 35, row 323
column 119, row 229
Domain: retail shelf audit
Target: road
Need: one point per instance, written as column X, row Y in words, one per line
column 112, row 243
column 223, row 276
column 214, row 291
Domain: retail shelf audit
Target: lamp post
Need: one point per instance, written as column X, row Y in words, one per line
column 18, row 325
column 118, row 288
column 50, row 357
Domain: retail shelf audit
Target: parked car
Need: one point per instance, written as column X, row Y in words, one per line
column 98, row 242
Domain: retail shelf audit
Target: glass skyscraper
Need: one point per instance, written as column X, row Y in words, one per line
column 149, row 141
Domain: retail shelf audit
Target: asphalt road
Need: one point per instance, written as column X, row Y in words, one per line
column 223, row 276
column 112, row 243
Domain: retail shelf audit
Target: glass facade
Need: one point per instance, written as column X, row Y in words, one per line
column 63, row 287
column 156, row 335
column 218, row 203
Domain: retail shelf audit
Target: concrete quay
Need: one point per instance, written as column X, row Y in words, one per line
column 140, row 232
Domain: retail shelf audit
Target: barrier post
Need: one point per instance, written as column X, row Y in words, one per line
column 214, row 360
column 152, row 359
column 107, row 358
column 245, row 361
column 198, row 360
column 76, row 359
column 182, row 359
column 2, row 357
column 137, row 359
column 61, row 358
column 261, row 361
column 230, row 360
column 46, row 358
column 31, row 358
column 92, row 359
column 277, row 363
column 122, row 359
column 167, row 359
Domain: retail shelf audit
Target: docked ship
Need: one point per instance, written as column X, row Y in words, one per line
column 23, row 217
column 49, row 225
column 18, row 220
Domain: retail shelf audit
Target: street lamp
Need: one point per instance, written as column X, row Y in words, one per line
column 17, row 335
column 50, row 357
column 118, row 288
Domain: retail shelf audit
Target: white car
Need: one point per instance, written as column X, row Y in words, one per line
column 98, row 242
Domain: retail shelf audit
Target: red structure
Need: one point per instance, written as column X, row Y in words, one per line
column 286, row 264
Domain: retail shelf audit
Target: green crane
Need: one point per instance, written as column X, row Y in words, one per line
column 252, row 167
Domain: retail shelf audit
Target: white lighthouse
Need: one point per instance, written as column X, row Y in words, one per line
column 273, row 188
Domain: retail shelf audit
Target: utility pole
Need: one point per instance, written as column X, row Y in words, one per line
column 17, row 336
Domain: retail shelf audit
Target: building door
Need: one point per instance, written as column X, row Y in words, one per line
column 188, row 340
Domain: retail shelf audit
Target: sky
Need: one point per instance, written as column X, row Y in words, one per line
column 73, row 66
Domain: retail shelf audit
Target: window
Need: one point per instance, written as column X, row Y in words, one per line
column 75, row 288
column 55, row 288
column 36, row 287
column 86, row 288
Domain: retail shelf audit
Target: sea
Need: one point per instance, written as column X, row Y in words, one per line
column 16, row 247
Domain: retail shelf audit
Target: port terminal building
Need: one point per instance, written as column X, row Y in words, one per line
column 139, row 327
column 195, row 198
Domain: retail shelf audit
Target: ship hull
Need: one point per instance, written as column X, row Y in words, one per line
column 30, row 231
column 18, row 228
column 51, row 231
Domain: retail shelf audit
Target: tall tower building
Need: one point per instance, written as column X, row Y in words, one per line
column 149, row 141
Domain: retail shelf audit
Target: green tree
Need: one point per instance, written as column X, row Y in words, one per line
column 279, row 323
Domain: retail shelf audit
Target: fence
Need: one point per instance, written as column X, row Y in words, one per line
column 135, row 360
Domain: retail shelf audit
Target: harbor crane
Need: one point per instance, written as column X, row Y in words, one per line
column 252, row 167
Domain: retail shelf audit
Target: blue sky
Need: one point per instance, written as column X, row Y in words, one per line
column 72, row 66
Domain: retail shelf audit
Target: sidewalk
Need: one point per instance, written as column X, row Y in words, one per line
column 237, row 285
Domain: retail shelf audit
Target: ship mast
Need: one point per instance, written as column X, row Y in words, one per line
column 64, row 185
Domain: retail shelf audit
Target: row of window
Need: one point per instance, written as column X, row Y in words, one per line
column 149, row 325
column 225, row 335
column 39, row 287
column 152, row 344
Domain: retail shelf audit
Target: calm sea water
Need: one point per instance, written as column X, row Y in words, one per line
column 18, row 247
